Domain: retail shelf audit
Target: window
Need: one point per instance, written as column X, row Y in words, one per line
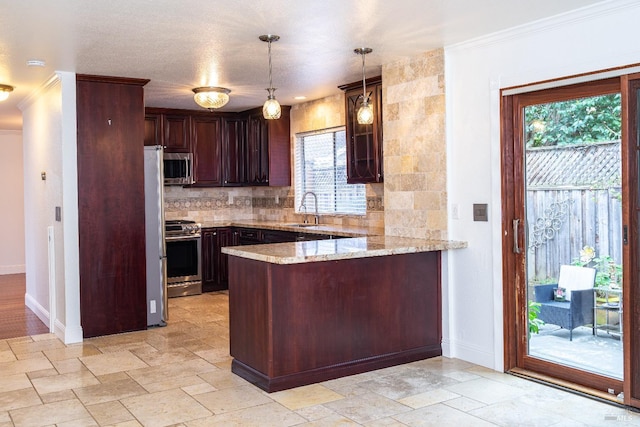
column 321, row 167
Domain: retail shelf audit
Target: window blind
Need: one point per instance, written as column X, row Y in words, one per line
column 321, row 167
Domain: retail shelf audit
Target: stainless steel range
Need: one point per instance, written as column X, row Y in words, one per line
column 184, row 247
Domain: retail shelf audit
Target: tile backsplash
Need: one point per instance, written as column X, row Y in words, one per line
column 208, row 204
column 259, row 203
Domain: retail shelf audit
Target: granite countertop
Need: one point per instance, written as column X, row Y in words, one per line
column 337, row 249
column 329, row 229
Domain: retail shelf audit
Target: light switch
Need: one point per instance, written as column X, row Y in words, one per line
column 455, row 211
column 58, row 214
column 480, row 212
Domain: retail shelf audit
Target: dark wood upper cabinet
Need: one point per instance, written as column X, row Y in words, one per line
column 153, row 129
column 234, row 150
column 111, row 223
column 268, row 149
column 257, row 156
column 229, row 149
column 207, row 150
column 364, row 142
column 177, row 136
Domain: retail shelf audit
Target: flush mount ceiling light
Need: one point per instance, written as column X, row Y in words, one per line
column 211, row 97
column 365, row 112
column 5, row 90
column 271, row 109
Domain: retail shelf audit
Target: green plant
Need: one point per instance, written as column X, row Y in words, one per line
column 608, row 273
column 534, row 322
column 576, row 121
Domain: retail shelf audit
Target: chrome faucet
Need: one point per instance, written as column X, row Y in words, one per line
column 316, row 218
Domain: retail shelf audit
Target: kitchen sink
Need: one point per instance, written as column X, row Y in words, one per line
column 301, row 225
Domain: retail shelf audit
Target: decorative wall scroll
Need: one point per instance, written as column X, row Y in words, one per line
column 546, row 227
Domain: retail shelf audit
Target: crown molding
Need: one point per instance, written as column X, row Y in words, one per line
column 53, row 80
column 563, row 19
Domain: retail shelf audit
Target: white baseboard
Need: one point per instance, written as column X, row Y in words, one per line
column 39, row 310
column 12, row 269
column 446, row 349
column 469, row 353
column 69, row 335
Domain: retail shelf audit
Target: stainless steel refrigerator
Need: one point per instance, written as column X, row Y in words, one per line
column 157, row 309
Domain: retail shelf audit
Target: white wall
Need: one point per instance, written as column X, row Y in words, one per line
column 12, row 199
column 49, row 138
column 591, row 39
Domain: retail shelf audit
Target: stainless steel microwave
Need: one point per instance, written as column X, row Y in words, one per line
column 178, row 168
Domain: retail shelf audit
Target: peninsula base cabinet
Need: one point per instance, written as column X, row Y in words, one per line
column 297, row 324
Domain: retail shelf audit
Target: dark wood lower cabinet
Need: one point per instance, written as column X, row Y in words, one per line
column 298, row 324
column 215, row 276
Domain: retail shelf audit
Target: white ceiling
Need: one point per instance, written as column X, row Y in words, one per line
column 183, row 44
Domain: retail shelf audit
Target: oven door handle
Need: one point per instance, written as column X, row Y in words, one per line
column 189, row 237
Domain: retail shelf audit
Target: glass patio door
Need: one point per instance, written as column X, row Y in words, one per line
column 573, row 199
column 567, row 216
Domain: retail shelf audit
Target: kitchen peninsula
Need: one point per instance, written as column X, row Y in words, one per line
column 305, row 312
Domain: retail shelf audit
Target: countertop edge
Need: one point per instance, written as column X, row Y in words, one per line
column 325, row 229
column 257, row 252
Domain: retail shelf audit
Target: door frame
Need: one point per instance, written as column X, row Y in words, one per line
column 515, row 310
column 630, row 88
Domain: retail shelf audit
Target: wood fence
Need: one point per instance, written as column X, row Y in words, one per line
column 562, row 221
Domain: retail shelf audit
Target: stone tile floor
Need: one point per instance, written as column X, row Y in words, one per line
column 180, row 375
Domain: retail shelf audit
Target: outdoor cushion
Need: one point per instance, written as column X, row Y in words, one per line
column 575, row 278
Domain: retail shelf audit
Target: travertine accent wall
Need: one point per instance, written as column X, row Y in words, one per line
column 415, row 195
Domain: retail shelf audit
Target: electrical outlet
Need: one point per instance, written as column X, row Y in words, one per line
column 152, row 306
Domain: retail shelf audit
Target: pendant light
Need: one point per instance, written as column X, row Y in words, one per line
column 211, row 97
column 5, row 90
column 271, row 109
column 365, row 112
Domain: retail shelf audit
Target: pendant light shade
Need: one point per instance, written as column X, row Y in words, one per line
column 5, row 90
column 365, row 112
column 211, row 97
column 271, row 109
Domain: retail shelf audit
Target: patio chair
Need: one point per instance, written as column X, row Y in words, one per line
column 577, row 309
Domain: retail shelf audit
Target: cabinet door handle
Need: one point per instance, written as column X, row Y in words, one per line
column 516, row 224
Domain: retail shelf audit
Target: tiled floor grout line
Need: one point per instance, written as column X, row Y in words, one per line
column 157, row 378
